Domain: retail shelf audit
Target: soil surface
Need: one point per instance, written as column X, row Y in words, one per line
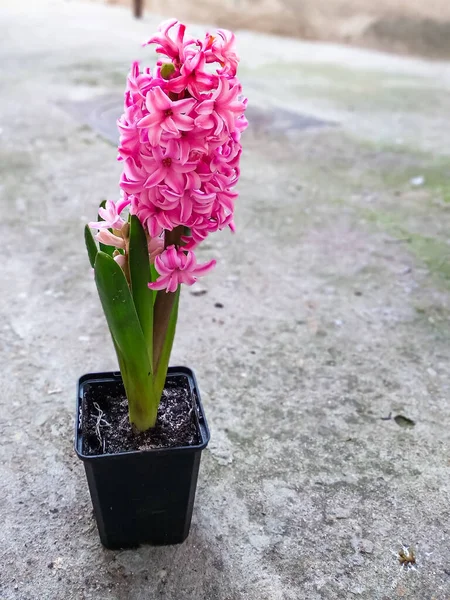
column 107, row 429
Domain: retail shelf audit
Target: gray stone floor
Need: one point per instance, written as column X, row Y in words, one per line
column 336, row 314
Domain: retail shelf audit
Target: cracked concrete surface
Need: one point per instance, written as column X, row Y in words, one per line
column 336, row 316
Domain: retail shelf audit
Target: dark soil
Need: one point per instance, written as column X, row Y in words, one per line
column 107, row 429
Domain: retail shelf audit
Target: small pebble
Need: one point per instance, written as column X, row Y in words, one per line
column 199, row 292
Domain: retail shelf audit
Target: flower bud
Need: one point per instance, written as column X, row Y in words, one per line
column 167, row 70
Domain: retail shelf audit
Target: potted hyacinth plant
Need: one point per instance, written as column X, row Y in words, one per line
column 141, row 431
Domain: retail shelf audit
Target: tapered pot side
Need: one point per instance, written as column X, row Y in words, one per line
column 144, row 496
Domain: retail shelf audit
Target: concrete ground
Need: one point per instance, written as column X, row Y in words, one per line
column 336, row 316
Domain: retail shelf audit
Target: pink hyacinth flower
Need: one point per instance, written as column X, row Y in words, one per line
column 109, row 239
column 134, row 176
column 222, row 108
column 162, row 197
column 128, row 126
column 166, row 167
column 192, row 144
column 138, row 85
column 176, row 267
column 180, row 148
column 171, row 46
column 121, row 260
column 110, row 215
column 151, row 216
column 193, row 76
column 165, row 115
column 222, row 48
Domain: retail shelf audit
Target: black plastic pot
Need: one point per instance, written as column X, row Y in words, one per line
column 143, row 496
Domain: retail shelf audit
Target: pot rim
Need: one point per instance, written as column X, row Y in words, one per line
column 114, row 376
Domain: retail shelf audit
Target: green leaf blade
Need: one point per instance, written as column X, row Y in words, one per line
column 91, row 246
column 129, row 341
column 140, row 276
column 109, row 250
column 164, row 357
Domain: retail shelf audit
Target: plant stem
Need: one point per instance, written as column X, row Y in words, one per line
column 174, row 236
column 161, row 315
column 164, row 303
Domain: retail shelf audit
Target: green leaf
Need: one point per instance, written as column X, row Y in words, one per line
column 139, row 265
column 129, row 341
column 109, row 250
column 91, row 246
column 153, row 277
column 153, row 273
column 163, row 363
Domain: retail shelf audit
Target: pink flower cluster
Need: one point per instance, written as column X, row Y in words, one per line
column 180, row 146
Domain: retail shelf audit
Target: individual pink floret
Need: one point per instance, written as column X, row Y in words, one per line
column 165, row 115
column 166, row 166
column 109, row 239
column 168, row 44
column 176, row 267
column 110, row 215
column 221, row 109
column 222, row 48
